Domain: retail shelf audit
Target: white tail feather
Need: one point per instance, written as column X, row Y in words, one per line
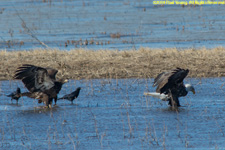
column 157, row 95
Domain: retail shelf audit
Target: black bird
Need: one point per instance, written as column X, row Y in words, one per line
column 72, row 95
column 40, row 80
column 15, row 95
column 171, row 84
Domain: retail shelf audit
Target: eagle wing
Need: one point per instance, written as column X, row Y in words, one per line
column 35, row 78
column 161, row 81
column 178, row 75
column 170, row 80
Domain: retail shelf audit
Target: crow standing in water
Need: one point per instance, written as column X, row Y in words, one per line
column 72, row 95
column 41, row 82
column 15, row 95
column 171, row 85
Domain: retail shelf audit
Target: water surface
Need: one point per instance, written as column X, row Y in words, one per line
column 134, row 24
column 114, row 114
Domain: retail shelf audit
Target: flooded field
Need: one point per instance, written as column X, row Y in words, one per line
column 114, row 114
column 102, row 24
column 110, row 113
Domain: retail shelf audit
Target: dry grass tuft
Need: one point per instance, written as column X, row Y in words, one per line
column 142, row 63
column 115, row 35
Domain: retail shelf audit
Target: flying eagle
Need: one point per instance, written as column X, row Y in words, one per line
column 15, row 95
column 170, row 86
column 72, row 95
column 40, row 81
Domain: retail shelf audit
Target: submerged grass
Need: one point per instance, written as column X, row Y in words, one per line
column 141, row 63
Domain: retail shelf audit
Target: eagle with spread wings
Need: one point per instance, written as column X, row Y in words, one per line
column 41, row 82
column 170, row 86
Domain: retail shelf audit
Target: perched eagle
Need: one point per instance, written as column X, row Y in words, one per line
column 72, row 95
column 170, row 86
column 15, row 95
column 40, row 82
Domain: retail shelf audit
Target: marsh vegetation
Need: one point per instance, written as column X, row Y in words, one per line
column 98, row 64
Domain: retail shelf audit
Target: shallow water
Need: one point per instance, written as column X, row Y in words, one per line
column 114, row 114
column 138, row 24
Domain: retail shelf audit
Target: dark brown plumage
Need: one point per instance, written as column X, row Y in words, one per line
column 40, row 96
column 72, row 95
column 35, row 95
column 42, row 80
column 171, row 84
column 15, row 95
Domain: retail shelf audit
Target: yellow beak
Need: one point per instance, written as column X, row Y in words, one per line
column 193, row 91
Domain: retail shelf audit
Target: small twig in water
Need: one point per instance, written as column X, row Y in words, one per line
column 96, row 128
column 74, row 146
column 28, row 31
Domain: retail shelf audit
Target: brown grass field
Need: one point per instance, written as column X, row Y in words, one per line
column 96, row 64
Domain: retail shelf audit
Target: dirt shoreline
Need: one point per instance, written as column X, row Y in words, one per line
column 141, row 63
